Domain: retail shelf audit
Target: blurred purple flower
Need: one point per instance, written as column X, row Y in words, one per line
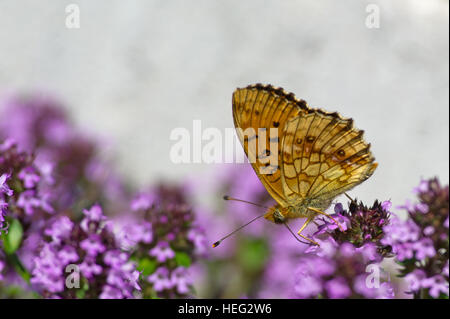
column 29, row 177
column 160, row 279
column 180, row 280
column 162, row 252
column 96, row 252
column 143, row 201
column 337, row 271
column 93, row 245
column 60, row 229
column 420, row 243
column 159, row 227
column 337, row 288
column 4, row 188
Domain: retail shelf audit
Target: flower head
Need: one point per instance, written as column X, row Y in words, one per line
column 94, row 250
column 360, row 224
column 338, row 271
column 420, row 244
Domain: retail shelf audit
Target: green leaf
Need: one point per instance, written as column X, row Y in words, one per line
column 182, row 259
column 252, row 254
column 13, row 238
column 147, row 266
column 81, row 293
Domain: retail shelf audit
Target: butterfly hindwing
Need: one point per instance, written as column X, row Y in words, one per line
column 323, row 155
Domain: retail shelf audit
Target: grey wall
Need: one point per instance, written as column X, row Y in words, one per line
column 137, row 69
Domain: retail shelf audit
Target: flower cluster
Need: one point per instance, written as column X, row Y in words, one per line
column 164, row 239
column 88, row 251
column 24, row 202
column 47, row 167
column 420, row 243
column 360, row 224
column 66, row 159
column 22, row 193
column 340, row 271
column 157, row 243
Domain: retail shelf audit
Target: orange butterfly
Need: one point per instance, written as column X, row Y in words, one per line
column 309, row 158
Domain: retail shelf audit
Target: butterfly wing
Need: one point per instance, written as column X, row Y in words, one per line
column 322, row 156
column 264, row 106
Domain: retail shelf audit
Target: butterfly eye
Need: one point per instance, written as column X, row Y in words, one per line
column 299, row 141
column 310, row 139
column 278, row 218
column 341, row 153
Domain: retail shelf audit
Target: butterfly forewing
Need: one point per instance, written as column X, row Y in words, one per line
column 259, row 107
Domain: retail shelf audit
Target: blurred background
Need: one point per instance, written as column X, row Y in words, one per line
column 136, row 70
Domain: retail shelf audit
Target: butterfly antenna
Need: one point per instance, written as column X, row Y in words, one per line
column 348, row 196
column 298, row 239
column 226, row 197
column 217, row 243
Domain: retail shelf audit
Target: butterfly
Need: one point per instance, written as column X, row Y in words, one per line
column 310, row 156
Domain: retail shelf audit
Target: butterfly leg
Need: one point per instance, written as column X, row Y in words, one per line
column 303, row 227
column 322, row 213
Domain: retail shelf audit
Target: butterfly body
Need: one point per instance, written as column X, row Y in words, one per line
column 310, row 156
column 279, row 214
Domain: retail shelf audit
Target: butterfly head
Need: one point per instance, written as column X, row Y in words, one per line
column 275, row 215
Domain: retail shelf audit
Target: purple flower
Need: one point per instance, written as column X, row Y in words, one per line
column 422, row 207
column 95, row 213
column 419, row 241
column 48, row 167
column 4, row 188
column 29, row 177
column 360, row 224
column 383, row 291
column 95, row 251
column 160, row 279
column 445, row 269
column 401, row 236
column 30, row 202
column 436, row 285
column 2, row 266
column 110, row 292
column 180, row 279
column 60, row 229
column 338, row 271
column 89, row 268
column 199, row 240
column 134, row 278
column 337, row 288
column 133, row 232
column 3, row 210
column 424, row 248
column 307, row 286
column 93, row 218
column 422, row 188
column 93, row 245
column 68, row 254
column 162, row 252
column 143, row 201
column 48, row 271
column 115, row 258
column 414, row 280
